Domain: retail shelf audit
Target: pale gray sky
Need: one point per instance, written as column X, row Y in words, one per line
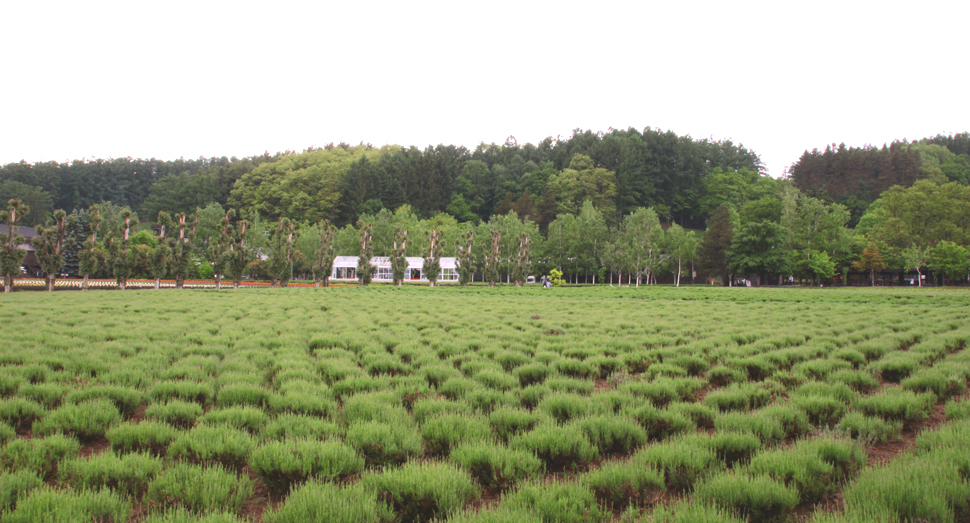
column 193, row 78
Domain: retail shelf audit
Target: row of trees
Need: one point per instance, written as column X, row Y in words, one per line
column 622, row 170
column 758, row 225
column 856, row 176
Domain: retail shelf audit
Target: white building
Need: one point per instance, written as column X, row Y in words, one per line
column 345, row 268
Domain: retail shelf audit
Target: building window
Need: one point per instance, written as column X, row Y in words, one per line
column 449, row 275
column 384, row 273
column 344, row 273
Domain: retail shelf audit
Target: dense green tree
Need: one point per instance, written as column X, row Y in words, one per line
column 523, row 262
column 589, row 238
column 466, row 267
column 325, row 254
column 280, row 261
column 365, row 270
column 460, row 209
column 492, row 257
column 432, row 258
column 181, row 193
column 217, row 246
column 871, row 260
column 950, row 260
column 11, row 253
column 49, row 245
column 91, row 254
column 240, row 254
column 760, row 248
column 583, row 181
column 558, row 248
column 734, row 187
column 36, row 199
column 916, row 257
column 643, row 239
column 301, row 187
column 121, row 259
column 682, row 248
column 399, row 261
column 712, row 252
column 924, row 214
column 182, row 247
column 160, row 262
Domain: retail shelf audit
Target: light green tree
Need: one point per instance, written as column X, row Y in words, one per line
column 916, row 257
column 91, row 254
column 160, row 260
column 871, row 260
column 950, row 260
column 325, row 255
column 643, row 238
column 432, row 258
column 50, row 243
column 682, row 247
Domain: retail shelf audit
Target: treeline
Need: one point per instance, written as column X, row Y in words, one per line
column 342, row 182
column 856, row 176
column 760, row 229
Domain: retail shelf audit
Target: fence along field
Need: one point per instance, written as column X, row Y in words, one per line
column 475, row 404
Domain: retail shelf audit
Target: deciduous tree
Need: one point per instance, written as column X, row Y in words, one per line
column 11, row 255
column 463, row 247
column 871, row 260
column 365, row 270
column 323, row 265
column 432, row 259
column 90, row 256
column 950, row 260
column 49, row 245
column 712, row 253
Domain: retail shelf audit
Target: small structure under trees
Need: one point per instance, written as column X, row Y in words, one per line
column 345, row 268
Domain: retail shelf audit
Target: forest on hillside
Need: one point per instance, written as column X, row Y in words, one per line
column 593, row 206
column 628, row 169
column 856, row 176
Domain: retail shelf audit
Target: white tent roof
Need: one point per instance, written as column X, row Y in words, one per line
column 414, row 262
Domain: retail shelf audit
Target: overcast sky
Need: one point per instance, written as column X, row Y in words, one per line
column 187, row 79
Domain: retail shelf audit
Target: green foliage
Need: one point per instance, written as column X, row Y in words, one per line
column 175, row 412
column 245, row 418
column 561, row 502
column 40, row 455
column 20, row 411
column 201, row 393
column 495, row 466
column 422, row 491
column 49, row 505
column 812, row 467
column 760, row 498
column 612, row 434
column 200, row 489
column 14, row 486
column 297, row 426
column 867, row 429
column 617, row 485
column 316, row 501
column 85, row 421
column 558, row 447
column 147, row 436
column 442, row 433
column 212, row 444
column 125, row 399
column 381, row 443
column 286, row 463
column 179, row 515
column 895, row 404
column 694, row 512
column 129, row 474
